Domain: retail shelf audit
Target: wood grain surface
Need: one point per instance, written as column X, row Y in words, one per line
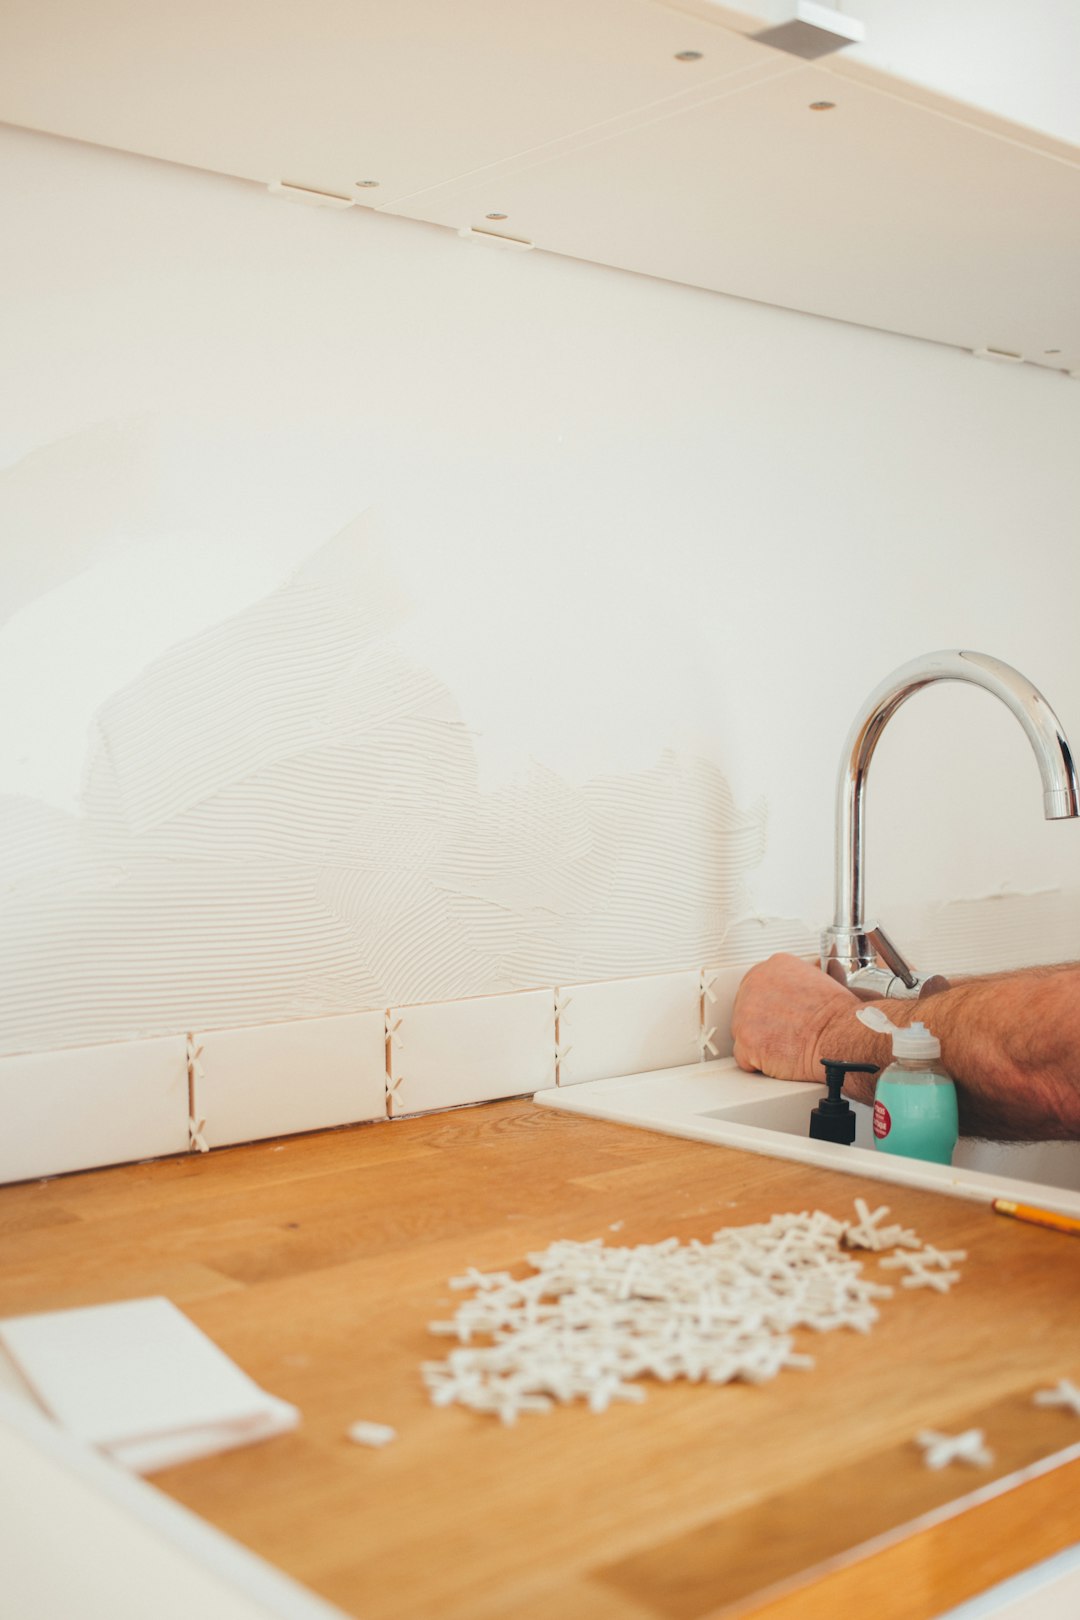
column 318, row 1261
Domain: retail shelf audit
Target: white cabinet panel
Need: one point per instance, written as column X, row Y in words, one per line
column 406, row 92
column 577, row 127
column 879, row 211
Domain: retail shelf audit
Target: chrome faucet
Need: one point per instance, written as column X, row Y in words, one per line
column 860, row 954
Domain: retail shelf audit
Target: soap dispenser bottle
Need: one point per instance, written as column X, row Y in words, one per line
column 833, row 1120
column 915, row 1111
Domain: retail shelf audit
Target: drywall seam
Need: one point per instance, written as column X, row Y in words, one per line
column 990, row 895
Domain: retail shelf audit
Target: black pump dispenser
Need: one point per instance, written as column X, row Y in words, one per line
column 833, row 1120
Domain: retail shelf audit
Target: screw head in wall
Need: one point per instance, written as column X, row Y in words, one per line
column 496, row 216
column 822, row 106
column 689, row 56
column 365, row 185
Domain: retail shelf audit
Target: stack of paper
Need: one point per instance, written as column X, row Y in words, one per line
column 142, row 1382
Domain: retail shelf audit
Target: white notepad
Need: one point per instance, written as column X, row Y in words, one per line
column 140, row 1380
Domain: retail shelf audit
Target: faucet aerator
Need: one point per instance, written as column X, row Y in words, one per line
column 1060, row 804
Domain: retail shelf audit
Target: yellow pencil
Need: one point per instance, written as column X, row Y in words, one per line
column 1038, row 1217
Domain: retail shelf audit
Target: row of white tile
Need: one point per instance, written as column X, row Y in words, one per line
column 80, row 1107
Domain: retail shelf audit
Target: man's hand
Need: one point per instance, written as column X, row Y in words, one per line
column 782, row 1011
column 1010, row 1041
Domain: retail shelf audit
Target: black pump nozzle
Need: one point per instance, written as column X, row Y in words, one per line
column 832, row 1120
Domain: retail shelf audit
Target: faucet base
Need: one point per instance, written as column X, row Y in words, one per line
column 866, row 961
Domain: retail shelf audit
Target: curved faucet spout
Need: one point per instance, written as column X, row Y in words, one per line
column 850, row 948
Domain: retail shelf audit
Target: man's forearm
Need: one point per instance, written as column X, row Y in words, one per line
column 1011, row 1042
column 1044, row 970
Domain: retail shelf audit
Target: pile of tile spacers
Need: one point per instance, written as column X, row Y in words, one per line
column 592, row 1320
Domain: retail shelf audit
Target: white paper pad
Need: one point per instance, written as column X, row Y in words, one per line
column 140, row 1380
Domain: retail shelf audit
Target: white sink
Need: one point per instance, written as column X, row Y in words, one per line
column 719, row 1102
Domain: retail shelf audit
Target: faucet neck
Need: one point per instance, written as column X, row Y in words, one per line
column 1061, row 788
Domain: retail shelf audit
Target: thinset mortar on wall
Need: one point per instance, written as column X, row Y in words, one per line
column 282, row 818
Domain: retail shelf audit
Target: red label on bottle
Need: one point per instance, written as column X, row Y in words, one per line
column 882, row 1120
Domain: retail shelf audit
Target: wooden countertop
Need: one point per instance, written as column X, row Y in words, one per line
column 317, row 1263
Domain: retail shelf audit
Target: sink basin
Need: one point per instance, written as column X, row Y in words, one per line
column 719, row 1102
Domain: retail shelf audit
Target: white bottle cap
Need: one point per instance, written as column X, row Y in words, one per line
column 914, row 1042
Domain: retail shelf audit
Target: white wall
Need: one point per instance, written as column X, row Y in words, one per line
column 389, row 618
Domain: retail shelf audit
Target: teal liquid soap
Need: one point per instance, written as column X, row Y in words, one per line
column 917, row 1120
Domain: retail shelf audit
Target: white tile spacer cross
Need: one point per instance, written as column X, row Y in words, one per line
column 1063, row 1394
column 371, row 1434
column 708, row 980
column 868, row 1233
column 940, row 1281
column 945, row 1258
column 705, row 1042
column 194, row 1053
column 197, row 1142
column 863, row 1233
column 939, row 1450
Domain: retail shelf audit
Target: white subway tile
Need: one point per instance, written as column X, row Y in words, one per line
column 720, row 986
column 92, row 1105
column 628, row 1026
column 450, row 1052
column 275, row 1079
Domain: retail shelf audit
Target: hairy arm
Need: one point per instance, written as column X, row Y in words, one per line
column 1010, row 1041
